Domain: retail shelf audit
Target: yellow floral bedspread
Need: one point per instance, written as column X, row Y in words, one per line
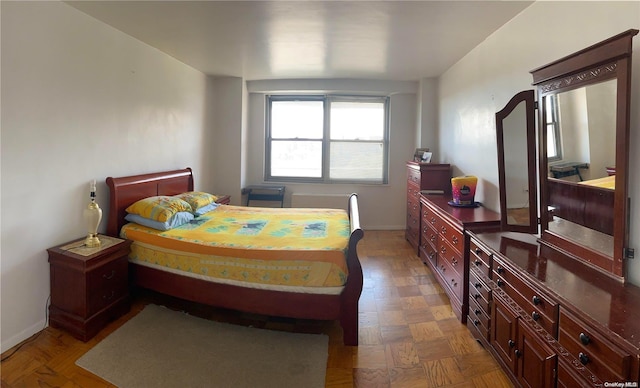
column 274, row 246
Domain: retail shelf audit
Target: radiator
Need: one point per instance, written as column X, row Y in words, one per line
column 326, row 201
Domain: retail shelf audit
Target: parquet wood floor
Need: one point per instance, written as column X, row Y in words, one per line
column 409, row 336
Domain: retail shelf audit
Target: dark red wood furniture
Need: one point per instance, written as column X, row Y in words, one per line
column 343, row 307
column 89, row 287
column 423, row 176
column 444, row 245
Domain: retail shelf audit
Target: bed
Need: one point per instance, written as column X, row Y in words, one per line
column 588, row 203
column 312, row 301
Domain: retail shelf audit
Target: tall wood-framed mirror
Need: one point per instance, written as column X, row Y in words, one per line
column 582, row 149
column 583, row 134
column 517, row 155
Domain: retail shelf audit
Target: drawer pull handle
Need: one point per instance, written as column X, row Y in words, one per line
column 477, row 262
column 476, row 322
column 454, row 239
column 511, row 343
column 454, row 261
column 536, row 300
column 110, row 276
column 110, row 296
column 584, row 359
column 500, row 283
column 535, row 315
column 478, row 251
column 500, row 269
column 476, row 296
column 444, row 230
column 478, row 285
column 477, row 312
column 585, row 339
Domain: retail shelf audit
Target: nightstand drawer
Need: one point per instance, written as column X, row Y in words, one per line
column 107, row 284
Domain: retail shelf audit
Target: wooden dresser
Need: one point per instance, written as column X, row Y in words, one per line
column 444, row 245
column 423, row 176
column 549, row 319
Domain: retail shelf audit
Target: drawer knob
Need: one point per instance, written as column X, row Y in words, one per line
column 477, row 311
column 478, row 251
column 110, row 276
column 518, row 353
column 454, row 261
column 535, row 315
column 476, row 322
column 500, row 269
column 536, row 300
column 511, row 343
column 454, row 239
column 476, row 296
column 584, row 359
column 500, row 283
column 585, row 339
column 477, row 262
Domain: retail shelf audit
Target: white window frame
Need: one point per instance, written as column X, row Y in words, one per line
column 326, row 140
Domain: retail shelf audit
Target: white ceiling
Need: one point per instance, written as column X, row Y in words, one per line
column 394, row 40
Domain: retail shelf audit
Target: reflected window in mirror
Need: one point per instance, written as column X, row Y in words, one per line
column 554, row 149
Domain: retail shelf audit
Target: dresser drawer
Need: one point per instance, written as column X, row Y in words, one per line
column 451, row 234
column 428, row 252
column 477, row 313
column 594, row 351
column 477, row 286
column 451, row 256
column 529, row 298
column 413, row 176
column 480, row 259
column 413, row 191
column 451, row 277
column 429, row 217
column 107, row 284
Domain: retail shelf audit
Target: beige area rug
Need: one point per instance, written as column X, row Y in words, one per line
column 164, row 348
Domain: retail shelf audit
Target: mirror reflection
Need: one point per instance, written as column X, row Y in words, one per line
column 516, row 169
column 580, row 127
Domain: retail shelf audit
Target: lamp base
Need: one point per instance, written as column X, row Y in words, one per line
column 92, row 241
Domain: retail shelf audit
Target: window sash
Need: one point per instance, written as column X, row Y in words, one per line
column 344, row 158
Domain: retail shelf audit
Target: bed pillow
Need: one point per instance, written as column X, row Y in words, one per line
column 200, row 201
column 180, row 218
column 160, row 208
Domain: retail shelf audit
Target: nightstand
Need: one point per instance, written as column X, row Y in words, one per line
column 89, row 286
column 224, row 199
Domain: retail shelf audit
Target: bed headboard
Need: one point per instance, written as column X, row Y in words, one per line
column 126, row 190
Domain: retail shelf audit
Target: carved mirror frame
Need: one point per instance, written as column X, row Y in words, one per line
column 609, row 59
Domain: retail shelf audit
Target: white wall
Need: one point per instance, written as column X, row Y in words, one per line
column 381, row 206
column 485, row 79
column 80, row 101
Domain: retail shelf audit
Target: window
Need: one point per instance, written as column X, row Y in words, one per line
column 329, row 139
column 554, row 149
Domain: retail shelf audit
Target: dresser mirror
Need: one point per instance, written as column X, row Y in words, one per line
column 582, row 148
column 515, row 135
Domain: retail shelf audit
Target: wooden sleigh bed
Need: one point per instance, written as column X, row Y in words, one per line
column 318, row 306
